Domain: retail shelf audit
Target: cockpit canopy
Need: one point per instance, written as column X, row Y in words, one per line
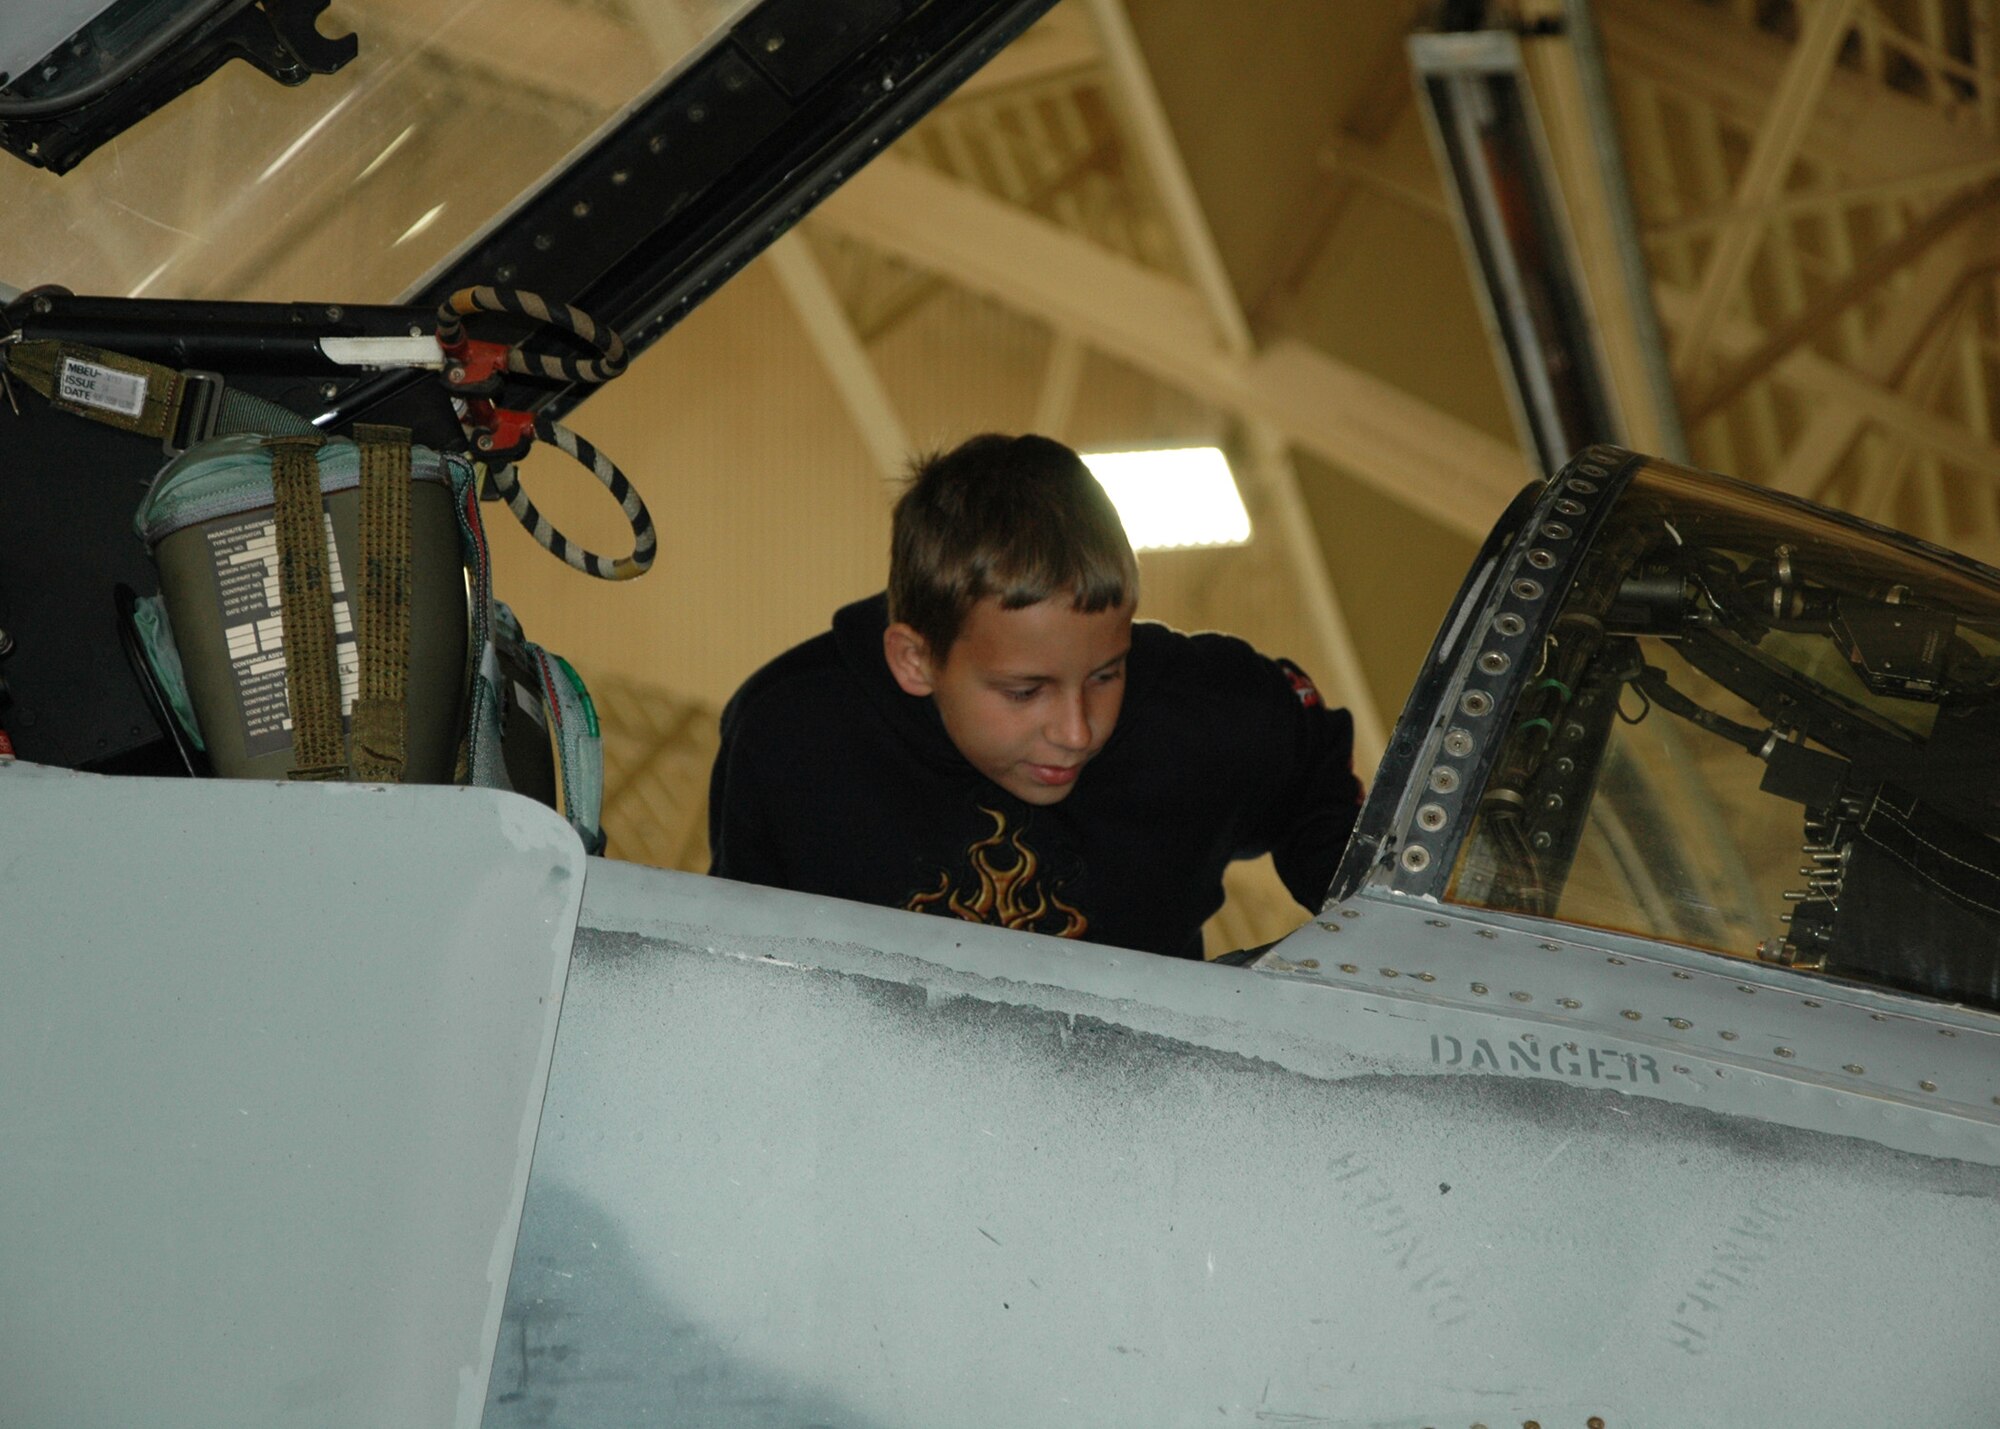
column 1699, row 711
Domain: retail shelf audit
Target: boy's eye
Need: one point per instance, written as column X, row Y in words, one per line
column 1020, row 696
column 1109, row 677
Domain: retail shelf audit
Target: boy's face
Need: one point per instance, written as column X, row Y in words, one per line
column 1029, row 696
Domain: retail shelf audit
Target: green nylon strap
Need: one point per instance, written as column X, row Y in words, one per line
column 305, row 591
column 241, row 412
column 137, row 396
column 382, row 616
column 106, row 387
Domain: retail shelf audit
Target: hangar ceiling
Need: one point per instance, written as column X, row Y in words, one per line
column 1147, row 219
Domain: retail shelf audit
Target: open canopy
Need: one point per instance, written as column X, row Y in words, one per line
column 234, row 189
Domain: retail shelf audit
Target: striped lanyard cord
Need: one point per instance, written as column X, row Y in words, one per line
column 473, row 369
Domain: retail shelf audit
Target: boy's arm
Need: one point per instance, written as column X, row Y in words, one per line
column 1316, row 797
column 739, row 842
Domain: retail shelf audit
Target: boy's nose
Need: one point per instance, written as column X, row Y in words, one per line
column 1069, row 725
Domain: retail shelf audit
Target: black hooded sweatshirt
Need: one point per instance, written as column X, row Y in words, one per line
column 831, row 779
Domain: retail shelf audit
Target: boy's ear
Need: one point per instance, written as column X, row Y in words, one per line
column 909, row 657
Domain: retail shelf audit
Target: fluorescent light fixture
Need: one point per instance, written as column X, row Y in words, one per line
column 1168, row 499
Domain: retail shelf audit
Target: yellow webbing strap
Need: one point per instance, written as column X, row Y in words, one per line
column 107, row 387
column 382, row 617
column 312, row 678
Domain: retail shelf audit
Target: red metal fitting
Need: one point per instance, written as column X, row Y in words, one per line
column 499, row 433
column 474, row 366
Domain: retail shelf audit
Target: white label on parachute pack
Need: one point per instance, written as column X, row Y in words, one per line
column 90, row 385
column 244, row 558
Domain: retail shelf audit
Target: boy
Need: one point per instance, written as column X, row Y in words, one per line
column 996, row 740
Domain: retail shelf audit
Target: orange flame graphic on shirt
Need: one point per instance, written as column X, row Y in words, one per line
column 1007, row 895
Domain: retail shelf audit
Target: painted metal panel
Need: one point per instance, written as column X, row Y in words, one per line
column 805, row 1162
column 273, row 1059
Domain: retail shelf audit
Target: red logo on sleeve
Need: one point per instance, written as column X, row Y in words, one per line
column 1302, row 686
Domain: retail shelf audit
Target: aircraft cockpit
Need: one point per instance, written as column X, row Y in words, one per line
column 1697, row 711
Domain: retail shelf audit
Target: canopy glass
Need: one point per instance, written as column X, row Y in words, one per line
column 1763, row 729
column 355, row 185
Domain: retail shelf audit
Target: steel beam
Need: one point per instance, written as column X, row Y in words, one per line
column 1779, row 138
column 1439, row 465
column 841, row 352
column 1146, row 119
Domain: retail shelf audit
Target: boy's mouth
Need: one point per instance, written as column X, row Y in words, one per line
column 1054, row 776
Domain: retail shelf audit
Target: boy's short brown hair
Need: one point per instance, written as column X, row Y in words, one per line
column 1018, row 518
